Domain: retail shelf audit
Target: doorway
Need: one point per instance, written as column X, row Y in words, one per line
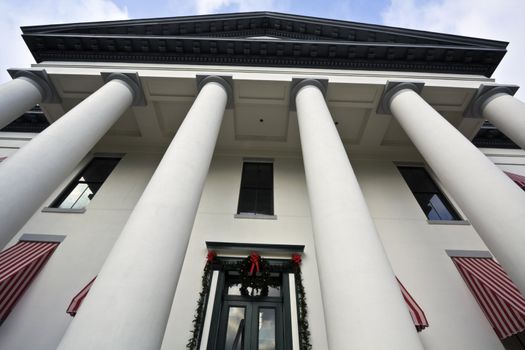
column 247, row 318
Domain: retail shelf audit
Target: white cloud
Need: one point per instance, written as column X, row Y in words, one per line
column 500, row 20
column 14, row 14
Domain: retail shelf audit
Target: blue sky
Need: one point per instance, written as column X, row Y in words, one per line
column 491, row 19
column 356, row 10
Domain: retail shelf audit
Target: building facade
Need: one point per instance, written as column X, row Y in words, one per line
column 259, row 181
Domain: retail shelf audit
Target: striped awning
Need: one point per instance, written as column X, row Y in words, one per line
column 418, row 316
column 18, row 267
column 498, row 297
column 518, row 179
column 79, row 298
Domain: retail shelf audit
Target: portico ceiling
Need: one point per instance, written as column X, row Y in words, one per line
column 261, row 117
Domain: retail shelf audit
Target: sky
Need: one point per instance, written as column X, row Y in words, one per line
column 489, row 19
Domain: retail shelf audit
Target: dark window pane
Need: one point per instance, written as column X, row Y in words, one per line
column 256, row 194
column 99, row 169
column 81, row 191
column 428, row 195
column 247, row 200
column 265, row 201
column 418, row 179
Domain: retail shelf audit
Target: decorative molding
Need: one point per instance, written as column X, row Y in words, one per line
column 298, row 83
column 40, row 79
column 485, row 94
column 448, row 222
column 468, row 253
column 63, row 210
column 30, row 237
column 265, row 39
column 246, row 248
column 392, row 88
column 133, row 81
column 225, row 81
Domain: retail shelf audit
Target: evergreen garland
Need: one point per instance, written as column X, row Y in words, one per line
column 200, row 313
column 302, row 310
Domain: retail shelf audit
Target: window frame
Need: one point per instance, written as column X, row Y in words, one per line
column 216, row 303
column 75, row 181
column 256, row 215
column 442, row 194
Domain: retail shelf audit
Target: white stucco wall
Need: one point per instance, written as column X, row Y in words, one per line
column 415, row 248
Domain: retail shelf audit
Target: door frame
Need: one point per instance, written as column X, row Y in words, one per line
column 285, row 330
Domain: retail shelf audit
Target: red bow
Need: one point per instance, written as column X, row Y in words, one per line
column 211, row 256
column 254, row 259
column 296, row 259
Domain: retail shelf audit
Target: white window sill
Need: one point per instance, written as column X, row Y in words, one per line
column 63, row 210
column 448, row 222
column 254, row 216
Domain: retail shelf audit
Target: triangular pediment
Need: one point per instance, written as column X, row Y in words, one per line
column 265, row 39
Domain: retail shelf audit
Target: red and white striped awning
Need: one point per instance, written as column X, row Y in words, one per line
column 518, row 179
column 418, row 316
column 497, row 295
column 18, row 267
column 79, row 298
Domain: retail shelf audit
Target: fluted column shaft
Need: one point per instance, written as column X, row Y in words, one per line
column 359, row 291
column 29, row 176
column 128, row 306
column 494, row 205
column 507, row 113
column 16, row 97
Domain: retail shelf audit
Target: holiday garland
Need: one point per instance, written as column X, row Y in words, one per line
column 198, row 320
column 302, row 309
column 255, row 279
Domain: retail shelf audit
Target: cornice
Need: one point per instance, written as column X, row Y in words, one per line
column 265, row 39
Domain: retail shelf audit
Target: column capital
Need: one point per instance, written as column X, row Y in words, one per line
column 132, row 80
column 485, row 94
column 298, row 83
column 40, row 79
column 225, row 81
column 392, row 88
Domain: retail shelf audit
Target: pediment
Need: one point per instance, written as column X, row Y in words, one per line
column 265, row 39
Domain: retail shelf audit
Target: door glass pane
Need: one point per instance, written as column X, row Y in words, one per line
column 235, row 330
column 266, row 329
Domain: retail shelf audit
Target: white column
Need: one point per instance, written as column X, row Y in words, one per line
column 507, row 113
column 127, row 308
column 494, row 205
column 16, row 97
column 30, row 176
column 363, row 305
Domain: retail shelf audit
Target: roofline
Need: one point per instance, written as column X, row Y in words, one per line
column 225, row 16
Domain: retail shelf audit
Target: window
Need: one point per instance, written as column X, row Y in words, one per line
column 256, row 195
column 82, row 189
column 430, row 199
column 33, row 121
